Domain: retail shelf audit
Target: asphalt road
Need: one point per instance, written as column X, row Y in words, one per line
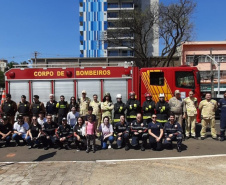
column 190, row 147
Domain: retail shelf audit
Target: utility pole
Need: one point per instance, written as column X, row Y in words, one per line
column 36, row 54
column 212, row 74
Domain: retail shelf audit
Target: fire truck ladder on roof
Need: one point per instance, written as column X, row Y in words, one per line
column 82, row 64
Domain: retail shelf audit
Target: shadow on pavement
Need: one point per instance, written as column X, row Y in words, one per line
column 45, row 156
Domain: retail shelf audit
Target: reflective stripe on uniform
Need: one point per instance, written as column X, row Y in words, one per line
column 161, row 121
column 146, row 117
column 131, row 116
column 116, row 120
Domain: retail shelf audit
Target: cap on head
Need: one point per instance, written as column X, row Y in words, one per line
column 8, row 95
column 83, row 92
column 23, row 96
column 64, row 119
column 36, row 96
column 107, row 94
column 177, row 92
column 4, row 117
column 118, row 96
column 20, row 116
column 161, row 95
column 147, row 95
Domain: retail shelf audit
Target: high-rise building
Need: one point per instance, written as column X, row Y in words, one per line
column 98, row 18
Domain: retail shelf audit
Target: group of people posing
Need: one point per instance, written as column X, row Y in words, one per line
column 61, row 123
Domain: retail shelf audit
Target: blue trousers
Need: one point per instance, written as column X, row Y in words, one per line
column 17, row 137
column 177, row 138
column 104, row 141
column 7, row 139
column 124, row 138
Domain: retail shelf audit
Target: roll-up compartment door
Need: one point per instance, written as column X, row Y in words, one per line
column 115, row 87
column 91, row 87
column 18, row 88
column 42, row 89
column 66, row 88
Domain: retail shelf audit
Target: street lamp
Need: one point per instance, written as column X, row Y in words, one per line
column 196, row 60
column 218, row 84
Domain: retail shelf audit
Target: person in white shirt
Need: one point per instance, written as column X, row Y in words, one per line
column 20, row 131
column 72, row 117
column 41, row 119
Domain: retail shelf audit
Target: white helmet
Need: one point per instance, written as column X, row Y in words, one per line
column 118, row 96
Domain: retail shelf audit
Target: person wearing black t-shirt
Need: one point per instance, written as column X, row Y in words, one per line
column 64, row 135
column 34, row 132
column 48, row 131
column 155, row 130
column 6, row 129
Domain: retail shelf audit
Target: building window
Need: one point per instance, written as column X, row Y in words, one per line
column 157, row 78
column 127, row 5
column 185, row 79
column 112, row 5
column 113, row 53
column 204, row 58
column 113, row 15
column 111, row 25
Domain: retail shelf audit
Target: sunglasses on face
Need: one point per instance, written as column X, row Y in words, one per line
column 154, row 117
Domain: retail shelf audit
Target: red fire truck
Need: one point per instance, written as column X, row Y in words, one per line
column 70, row 81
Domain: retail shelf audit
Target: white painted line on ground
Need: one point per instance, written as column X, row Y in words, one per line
column 118, row 160
column 162, row 158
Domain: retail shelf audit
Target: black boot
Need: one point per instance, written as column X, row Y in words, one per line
column 179, row 148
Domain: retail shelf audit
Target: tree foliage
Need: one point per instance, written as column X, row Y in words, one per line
column 10, row 65
column 175, row 26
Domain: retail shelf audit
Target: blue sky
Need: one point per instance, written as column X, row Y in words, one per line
column 51, row 27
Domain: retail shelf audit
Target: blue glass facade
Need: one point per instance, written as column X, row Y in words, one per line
column 98, row 18
column 93, row 24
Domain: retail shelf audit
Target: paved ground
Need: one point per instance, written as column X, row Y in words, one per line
column 200, row 162
column 187, row 171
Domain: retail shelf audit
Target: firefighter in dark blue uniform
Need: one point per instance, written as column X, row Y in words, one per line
column 119, row 109
column 173, row 132
column 155, row 130
column 162, row 109
column 62, row 107
column 121, row 130
column 222, row 106
column 37, row 106
column 64, row 135
column 148, row 108
column 133, row 107
column 139, row 132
